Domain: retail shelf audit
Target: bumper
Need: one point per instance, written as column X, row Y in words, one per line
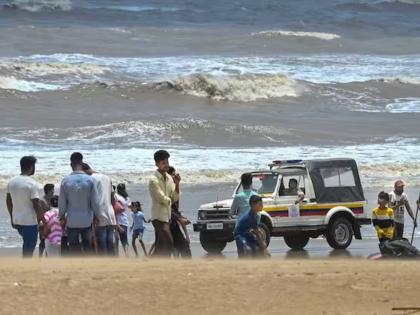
column 214, row 227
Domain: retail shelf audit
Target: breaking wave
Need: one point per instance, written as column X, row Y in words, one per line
column 278, row 33
column 241, row 88
column 39, row 5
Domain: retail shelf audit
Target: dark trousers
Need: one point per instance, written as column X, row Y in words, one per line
column 29, row 235
column 164, row 244
column 181, row 243
column 398, row 231
column 80, row 240
column 105, row 240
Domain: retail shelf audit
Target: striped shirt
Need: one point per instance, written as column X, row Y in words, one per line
column 54, row 227
column 383, row 221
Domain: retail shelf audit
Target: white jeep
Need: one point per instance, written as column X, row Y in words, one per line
column 333, row 204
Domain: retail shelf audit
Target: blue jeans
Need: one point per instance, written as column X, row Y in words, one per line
column 105, row 239
column 80, row 240
column 246, row 244
column 29, row 235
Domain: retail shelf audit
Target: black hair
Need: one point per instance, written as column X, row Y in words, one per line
column 161, row 155
column 136, row 204
column 254, row 200
column 54, row 202
column 246, row 180
column 76, row 158
column 48, row 187
column 121, row 190
column 171, row 170
column 293, row 180
column 27, row 162
column 383, row 195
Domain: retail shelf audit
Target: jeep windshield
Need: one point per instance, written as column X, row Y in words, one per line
column 263, row 183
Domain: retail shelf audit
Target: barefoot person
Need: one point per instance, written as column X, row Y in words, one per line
column 23, row 205
column 105, row 221
column 122, row 217
column 163, row 191
column 45, row 203
column 78, row 202
column 399, row 202
column 137, row 227
column 240, row 203
column 248, row 238
column 52, row 230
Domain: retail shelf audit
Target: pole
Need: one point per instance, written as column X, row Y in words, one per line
column 415, row 220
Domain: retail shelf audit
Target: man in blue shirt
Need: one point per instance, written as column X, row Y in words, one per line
column 240, row 203
column 78, row 202
column 247, row 236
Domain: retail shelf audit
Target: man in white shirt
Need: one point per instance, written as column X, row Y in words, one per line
column 164, row 191
column 105, row 221
column 398, row 201
column 23, row 205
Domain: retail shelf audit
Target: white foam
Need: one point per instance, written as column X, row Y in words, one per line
column 317, row 35
column 11, row 83
column 404, row 105
column 243, row 88
column 39, row 5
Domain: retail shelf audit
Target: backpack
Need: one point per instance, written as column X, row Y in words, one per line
column 399, row 248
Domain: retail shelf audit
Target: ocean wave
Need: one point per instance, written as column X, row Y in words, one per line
column 402, row 80
column 12, row 83
column 241, row 88
column 404, row 105
column 39, row 5
column 317, row 35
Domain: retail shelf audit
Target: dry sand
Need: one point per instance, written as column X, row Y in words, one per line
column 128, row 286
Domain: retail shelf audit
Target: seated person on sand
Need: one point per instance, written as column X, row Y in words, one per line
column 293, row 190
column 383, row 219
column 248, row 237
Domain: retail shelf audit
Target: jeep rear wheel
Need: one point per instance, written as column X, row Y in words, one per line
column 340, row 233
column 211, row 244
column 265, row 233
column 296, row 242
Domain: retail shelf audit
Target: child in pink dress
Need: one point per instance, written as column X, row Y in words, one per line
column 53, row 230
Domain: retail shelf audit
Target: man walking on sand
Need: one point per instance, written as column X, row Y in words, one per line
column 105, row 223
column 398, row 202
column 23, row 205
column 164, row 190
column 78, row 202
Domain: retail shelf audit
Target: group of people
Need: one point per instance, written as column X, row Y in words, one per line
column 388, row 217
column 91, row 216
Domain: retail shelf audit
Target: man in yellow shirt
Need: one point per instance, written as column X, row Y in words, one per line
column 164, row 190
column 383, row 218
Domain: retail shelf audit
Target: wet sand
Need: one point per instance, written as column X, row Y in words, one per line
column 93, row 286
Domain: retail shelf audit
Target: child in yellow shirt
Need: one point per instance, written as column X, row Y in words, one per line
column 383, row 218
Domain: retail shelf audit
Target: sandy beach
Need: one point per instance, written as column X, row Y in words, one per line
column 209, row 286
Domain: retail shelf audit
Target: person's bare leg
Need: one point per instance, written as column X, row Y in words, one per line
column 133, row 243
column 144, row 247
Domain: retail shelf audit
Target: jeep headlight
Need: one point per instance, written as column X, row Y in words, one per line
column 201, row 214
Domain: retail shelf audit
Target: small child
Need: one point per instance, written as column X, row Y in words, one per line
column 138, row 227
column 53, row 230
column 247, row 235
column 383, row 219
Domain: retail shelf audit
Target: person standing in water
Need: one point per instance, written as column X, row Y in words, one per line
column 22, row 201
column 398, row 201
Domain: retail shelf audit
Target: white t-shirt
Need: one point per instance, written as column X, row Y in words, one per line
column 23, row 189
column 104, row 186
column 399, row 211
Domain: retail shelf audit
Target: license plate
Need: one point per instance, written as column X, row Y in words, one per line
column 214, row 226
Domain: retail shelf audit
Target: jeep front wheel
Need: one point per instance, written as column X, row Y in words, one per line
column 296, row 242
column 340, row 233
column 263, row 228
column 211, row 244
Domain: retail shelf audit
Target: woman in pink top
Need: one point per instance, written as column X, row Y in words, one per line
column 53, row 230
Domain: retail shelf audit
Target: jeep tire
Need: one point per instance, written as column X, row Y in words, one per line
column 296, row 242
column 211, row 244
column 339, row 233
column 265, row 231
